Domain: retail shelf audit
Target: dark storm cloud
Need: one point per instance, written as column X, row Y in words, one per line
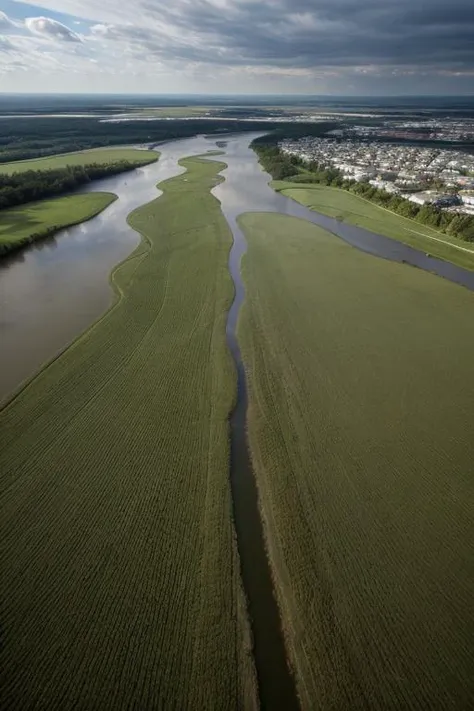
column 373, row 46
column 305, row 33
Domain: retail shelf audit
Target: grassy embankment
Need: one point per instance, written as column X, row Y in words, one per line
column 355, row 210
column 104, row 156
column 360, row 423
column 32, row 221
column 120, row 583
column 36, row 220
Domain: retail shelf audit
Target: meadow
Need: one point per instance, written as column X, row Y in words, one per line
column 36, row 220
column 361, row 404
column 355, row 210
column 103, row 156
column 171, row 111
column 120, row 583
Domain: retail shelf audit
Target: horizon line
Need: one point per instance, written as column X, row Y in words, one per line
column 252, row 94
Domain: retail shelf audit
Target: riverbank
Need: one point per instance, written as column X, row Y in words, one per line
column 276, row 685
column 355, row 210
column 54, row 290
column 129, row 422
column 102, row 156
column 35, row 221
column 360, row 404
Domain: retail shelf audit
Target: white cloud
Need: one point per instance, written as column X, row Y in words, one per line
column 51, row 29
column 235, row 45
column 106, row 11
column 5, row 46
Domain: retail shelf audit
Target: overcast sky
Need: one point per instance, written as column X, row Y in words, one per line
column 369, row 47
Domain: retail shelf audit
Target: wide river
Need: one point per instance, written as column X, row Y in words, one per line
column 52, row 290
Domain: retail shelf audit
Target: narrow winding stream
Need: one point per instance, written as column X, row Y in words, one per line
column 276, row 685
column 50, row 292
column 246, row 189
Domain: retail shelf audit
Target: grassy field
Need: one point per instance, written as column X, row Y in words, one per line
column 36, row 220
column 173, row 111
column 120, row 583
column 347, row 207
column 360, row 422
column 95, row 155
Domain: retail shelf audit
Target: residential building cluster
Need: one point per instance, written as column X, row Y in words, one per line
column 424, row 175
column 433, row 129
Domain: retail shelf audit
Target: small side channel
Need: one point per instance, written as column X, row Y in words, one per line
column 275, row 681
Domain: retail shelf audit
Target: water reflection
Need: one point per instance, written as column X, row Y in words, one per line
column 47, row 243
column 53, row 289
column 246, row 189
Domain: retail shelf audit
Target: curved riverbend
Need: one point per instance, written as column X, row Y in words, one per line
column 251, row 192
column 246, row 189
column 52, row 290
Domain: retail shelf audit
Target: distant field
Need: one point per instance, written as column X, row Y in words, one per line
column 120, row 584
column 361, row 409
column 95, row 155
column 350, row 208
column 36, row 220
column 174, row 111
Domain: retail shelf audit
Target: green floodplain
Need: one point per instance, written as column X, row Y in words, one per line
column 355, row 210
column 361, row 403
column 120, row 583
column 120, row 580
column 27, row 222
column 104, row 156
column 36, row 220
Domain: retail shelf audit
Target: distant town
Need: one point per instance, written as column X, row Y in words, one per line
column 423, row 175
column 431, row 129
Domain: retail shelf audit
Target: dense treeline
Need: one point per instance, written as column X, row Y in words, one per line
column 20, row 188
column 282, row 166
column 293, row 130
column 24, row 138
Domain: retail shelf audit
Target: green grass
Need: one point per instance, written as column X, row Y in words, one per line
column 95, row 155
column 351, row 208
column 174, row 111
column 120, row 583
column 361, row 403
column 36, row 220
